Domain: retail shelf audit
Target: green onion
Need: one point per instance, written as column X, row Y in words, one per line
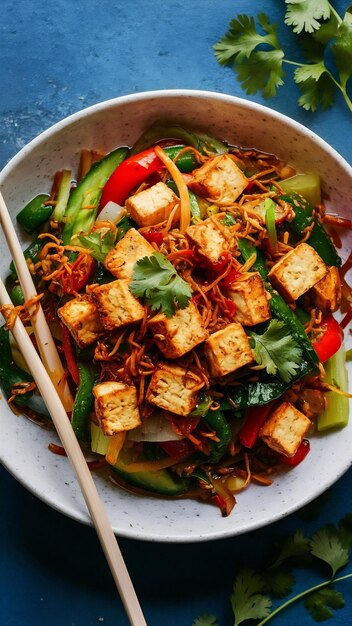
column 269, row 206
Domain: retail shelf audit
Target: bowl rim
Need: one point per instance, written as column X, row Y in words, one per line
column 176, row 94
column 167, row 93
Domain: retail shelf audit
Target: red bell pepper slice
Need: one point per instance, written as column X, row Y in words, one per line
column 331, row 339
column 179, row 449
column 130, row 173
column 254, row 420
column 79, row 276
column 69, row 354
column 154, row 236
column 230, row 307
column 214, row 266
column 230, row 278
column 298, row 457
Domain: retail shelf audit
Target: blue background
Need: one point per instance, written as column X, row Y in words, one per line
column 58, row 57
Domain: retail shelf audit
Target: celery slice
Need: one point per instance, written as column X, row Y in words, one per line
column 337, row 412
column 99, row 442
column 307, row 185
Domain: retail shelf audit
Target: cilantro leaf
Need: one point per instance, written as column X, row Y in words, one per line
column 96, row 243
column 341, row 49
column 242, row 38
column 205, row 620
column 318, row 603
column 254, row 52
column 326, row 545
column 277, row 351
column 248, row 601
column 304, row 14
column 296, row 545
column 279, row 581
column 262, row 72
column 317, row 93
column 156, row 280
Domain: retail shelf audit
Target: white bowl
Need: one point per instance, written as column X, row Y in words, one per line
column 24, row 446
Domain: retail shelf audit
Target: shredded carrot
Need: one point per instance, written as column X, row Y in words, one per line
column 185, row 206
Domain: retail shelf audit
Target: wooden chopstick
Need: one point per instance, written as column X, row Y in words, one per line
column 46, row 344
column 75, row 455
column 47, row 383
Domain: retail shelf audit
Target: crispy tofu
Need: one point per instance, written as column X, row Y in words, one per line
column 251, row 299
column 219, row 179
column 174, row 389
column 116, row 306
column 81, row 317
column 228, row 350
column 209, row 239
column 130, row 249
column 297, row 271
column 180, row 333
column 116, row 407
column 326, row 294
column 153, row 205
column 284, row 429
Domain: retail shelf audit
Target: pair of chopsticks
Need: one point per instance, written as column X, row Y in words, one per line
column 47, row 372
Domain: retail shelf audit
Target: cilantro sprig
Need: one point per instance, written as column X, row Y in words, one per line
column 96, row 243
column 254, row 51
column 277, row 351
column 156, row 280
column 254, row 592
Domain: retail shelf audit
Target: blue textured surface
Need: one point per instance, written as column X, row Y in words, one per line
column 56, row 58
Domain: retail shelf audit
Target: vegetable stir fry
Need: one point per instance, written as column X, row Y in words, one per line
column 190, row 287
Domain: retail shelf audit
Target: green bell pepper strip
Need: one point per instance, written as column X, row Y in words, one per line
column 87, row 193
column 31, row 253
column 83, row 402
column 278, row 306
column 167, row 130
column 11, row 374
column 35, row 213
column 319, row 238
column 261, row 391
column 17, row 297
column 216, row 421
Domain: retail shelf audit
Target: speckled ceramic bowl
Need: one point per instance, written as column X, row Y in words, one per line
column 24, row 446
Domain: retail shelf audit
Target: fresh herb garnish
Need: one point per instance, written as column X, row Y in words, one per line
column 205, row 620
column 277, row 351
column 254, row 591
column 96, row 243
column 156, row 280
column 256, row 54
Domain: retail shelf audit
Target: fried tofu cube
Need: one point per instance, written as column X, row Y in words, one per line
column 130, row 249
column 326, row 294
column 81, row 317
column 116, row 306
column 173, row 388
column 228, row 349
column 251, row 299
column 209, row 239
column 153, row 205
column 177, row 335
column 297, row 271
column 284, row 429
column 219, row 179
column 116, row 407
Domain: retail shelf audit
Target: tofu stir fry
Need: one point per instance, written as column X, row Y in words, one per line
column 190, row 287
